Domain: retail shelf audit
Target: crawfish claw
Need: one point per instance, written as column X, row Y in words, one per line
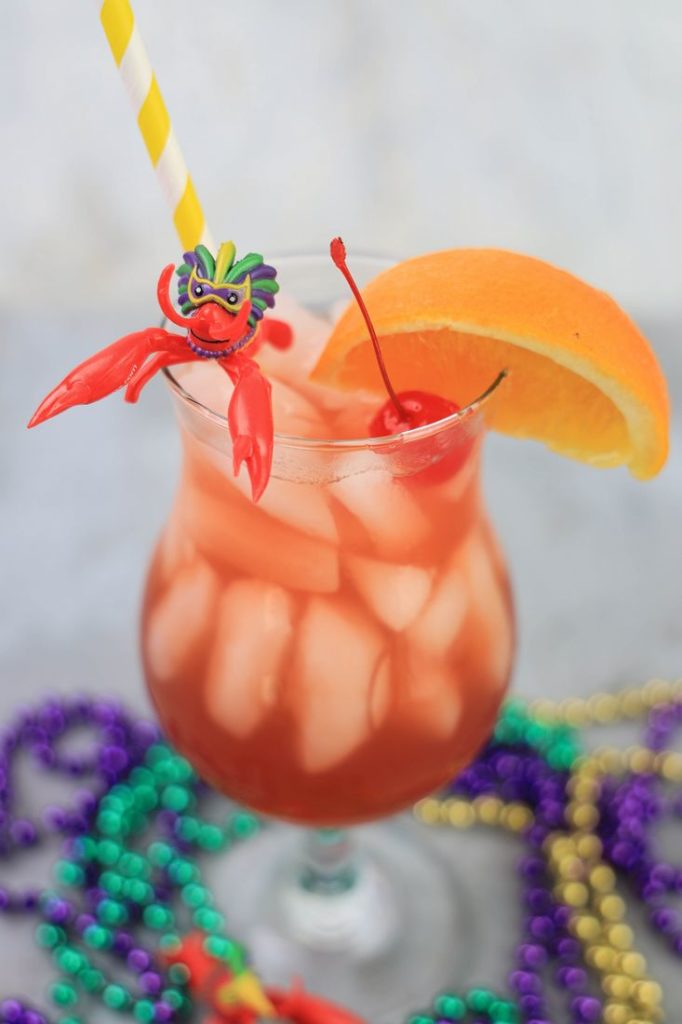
column 75, row 391
column 249, row 417
column 277, row 333
column 111, row 368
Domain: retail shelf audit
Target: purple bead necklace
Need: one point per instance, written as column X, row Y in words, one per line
column 523, row 773
column 120, row 743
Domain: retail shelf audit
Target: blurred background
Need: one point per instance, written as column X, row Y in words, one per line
column 551, row 129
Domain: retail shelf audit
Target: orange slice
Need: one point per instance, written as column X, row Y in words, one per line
column 582, row 378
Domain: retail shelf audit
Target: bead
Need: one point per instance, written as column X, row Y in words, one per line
column 137, row 891
column 174, row 999
column 586, row 1008
column 108, row 852
column 516, row 817
column 157, row 917
column 175, row 798
column 479, row 999
column 640, row 760
column 571, row 868
column 208, row 919
column 647, row 993
column 450, row 1007
column 160, row 854
column 187, row 828
column 195, row 895
column 602, row 878
column 658, row 691
column 11, row 1011
column 244, row 824
column 461, row 814
column 670, row 766
column 632, row 964
column 503, row 1012
column 150, row 983
column 603, row 708
column 428, row 810
column 133, row 865
column 519, row 787
column 586, row 928
column 618, row 986
column 611, row 907
column 111, row 882
column 617, row 1013
column 218, row 947
column 582, row 816
column 575, row 894
column 620, row 935
column 69, row 961
column 143, row 1011
column 488, row 809
column 49, row 936
column 112, row 913
column 210, row 838
column 182, row 871
column 68, row 873
column 63, row 994
column 97, row 937
column 602, row 957
column 92, row 980
column 116, row 997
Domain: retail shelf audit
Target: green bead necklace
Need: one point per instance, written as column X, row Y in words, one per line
column 137, row 869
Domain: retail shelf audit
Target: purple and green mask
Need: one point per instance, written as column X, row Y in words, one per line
column 226, row 281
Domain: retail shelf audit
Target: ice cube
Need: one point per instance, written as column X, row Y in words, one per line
column 489, row 608
column 338, row 656
column 205, row 381
column 303, row 506
column 175, row 548
column 182, row 621
column 310, row 334
column 395, row 593
column 353, row 419
column 433, row 703
column 254, row 630
column 293, row 413
column 390, row 514
column 436, row 629
column 455, row 487
column 241, row 538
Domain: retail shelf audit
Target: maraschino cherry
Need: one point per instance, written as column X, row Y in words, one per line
column 406, row 410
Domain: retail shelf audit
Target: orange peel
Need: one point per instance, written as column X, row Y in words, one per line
column 581, row 378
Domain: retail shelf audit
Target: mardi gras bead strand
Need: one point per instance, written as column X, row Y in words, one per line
column 123, row 888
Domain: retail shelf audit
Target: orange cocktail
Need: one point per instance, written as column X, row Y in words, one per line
column 342, row 648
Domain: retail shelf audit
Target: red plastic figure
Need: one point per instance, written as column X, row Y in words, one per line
column 222, row 302
column 238, row 998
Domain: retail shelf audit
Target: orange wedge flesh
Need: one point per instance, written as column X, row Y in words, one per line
column 582, row 378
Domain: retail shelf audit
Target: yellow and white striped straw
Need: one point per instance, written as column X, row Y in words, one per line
column 120, row 27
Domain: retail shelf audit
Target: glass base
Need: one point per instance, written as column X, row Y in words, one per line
column 393, row 928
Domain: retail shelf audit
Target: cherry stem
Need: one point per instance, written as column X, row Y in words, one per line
column 338, row 253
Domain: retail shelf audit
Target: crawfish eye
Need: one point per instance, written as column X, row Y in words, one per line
column 232, row 298
column 198, row 290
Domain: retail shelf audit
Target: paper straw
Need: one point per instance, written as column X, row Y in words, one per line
column 120, row 27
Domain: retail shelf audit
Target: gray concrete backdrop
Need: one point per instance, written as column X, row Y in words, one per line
column 549, row 128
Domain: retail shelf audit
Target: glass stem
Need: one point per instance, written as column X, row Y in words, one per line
column 329, row 865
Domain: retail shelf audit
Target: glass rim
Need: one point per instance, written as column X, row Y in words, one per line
column 462, row 415
column 294, row 441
